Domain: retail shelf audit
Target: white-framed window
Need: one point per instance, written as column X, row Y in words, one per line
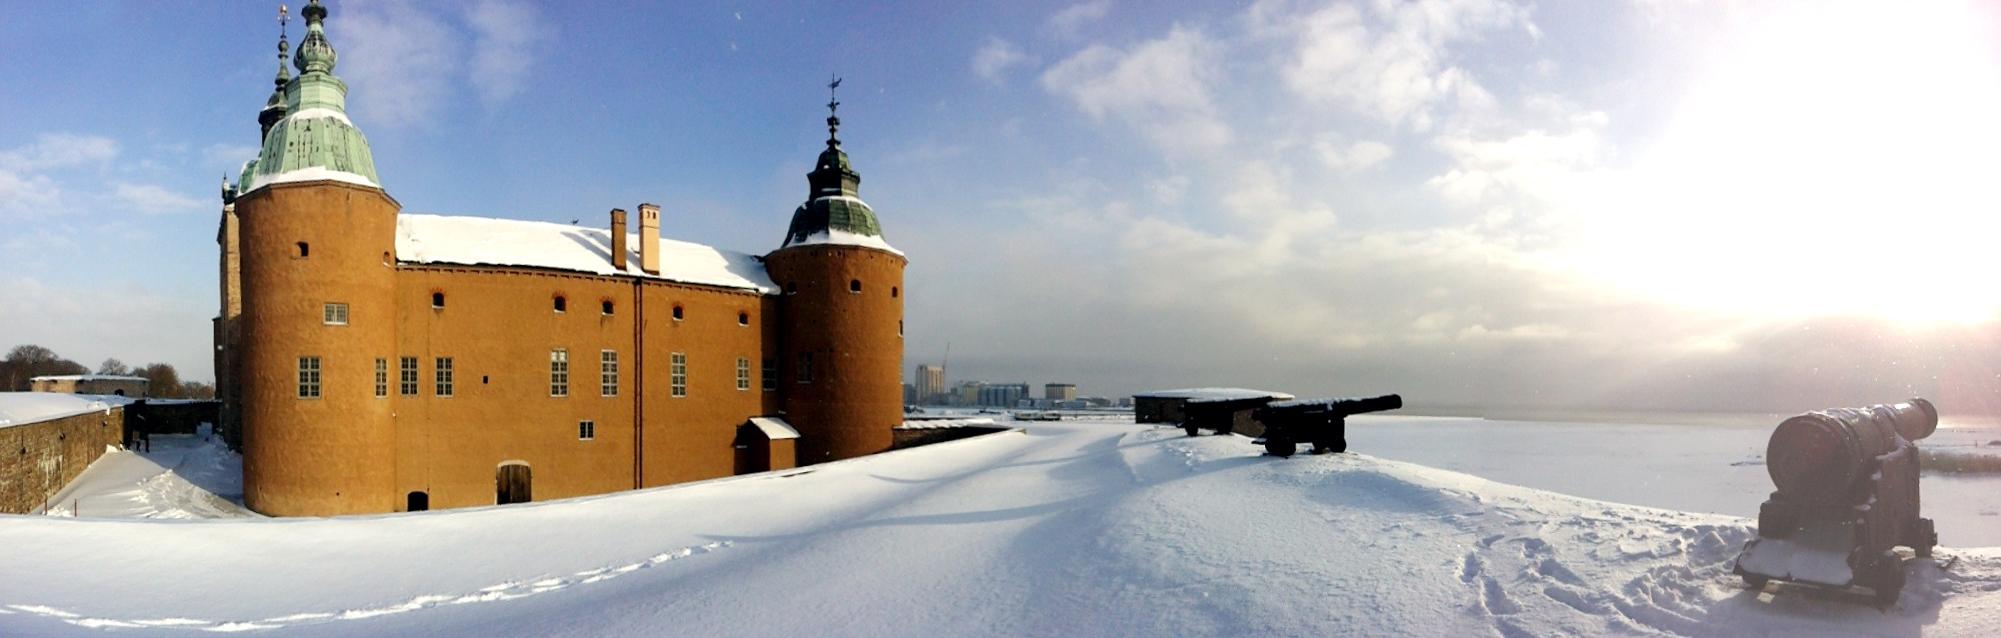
column 406, row 376
column 743, row 374
column 309, row 377
column 334, row 314
column 677, row 375
column 608, row 373
column 381, row 378
column 559, row 373
column 587, row 430
column 770, row 372
column 443, row 376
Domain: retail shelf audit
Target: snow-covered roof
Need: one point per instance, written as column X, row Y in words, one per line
column 22, row 408
column 483, row 241
column 88, row 377
column 838, row 237
column 309, row 174
column 1214, row 394
column 774, row 428
column 940, row 424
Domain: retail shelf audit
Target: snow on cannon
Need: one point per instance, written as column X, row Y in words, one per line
column 1847, row 496
column 1322, row 422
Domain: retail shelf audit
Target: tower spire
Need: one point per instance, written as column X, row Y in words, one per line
column 315, row 53
column 833, row 112
column 284, row 47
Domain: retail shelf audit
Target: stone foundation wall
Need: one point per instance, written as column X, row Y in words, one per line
column 38, row 459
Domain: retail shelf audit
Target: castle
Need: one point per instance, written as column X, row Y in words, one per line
column 376, row 361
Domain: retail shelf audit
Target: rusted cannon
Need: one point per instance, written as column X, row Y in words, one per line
column 1847, row 496
column 1322, row 422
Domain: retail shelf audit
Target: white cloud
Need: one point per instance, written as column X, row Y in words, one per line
column 507, row 36
column 398, row 59
column 1391, row 62
column 1160, row 87
column 1352, row 157
column 149, row 199
column 26, row 194
column 1074, row 17
column 995, row 58
column 59, row 150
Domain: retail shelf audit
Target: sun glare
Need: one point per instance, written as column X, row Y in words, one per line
column 1839, row 159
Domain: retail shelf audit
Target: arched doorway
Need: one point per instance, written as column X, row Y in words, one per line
column 512, row 483
column 418, row 502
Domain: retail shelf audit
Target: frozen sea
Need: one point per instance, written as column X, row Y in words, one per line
column 1709, row 467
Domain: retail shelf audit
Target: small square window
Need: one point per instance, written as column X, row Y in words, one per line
column 742, row 318
column 562, row 304
column 587, row 430
column 855, row 286
column 605, row 307
column 677, row 312
column 437, row 300
column 334, row 314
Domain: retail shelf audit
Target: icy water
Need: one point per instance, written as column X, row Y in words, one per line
column 1716, row 468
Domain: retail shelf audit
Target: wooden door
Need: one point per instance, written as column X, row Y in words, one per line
column 512, row 484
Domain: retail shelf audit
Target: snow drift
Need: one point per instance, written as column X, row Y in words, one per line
column 1065, row 529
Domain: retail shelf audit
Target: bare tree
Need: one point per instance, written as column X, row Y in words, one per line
column 114, row 367
column 28, row 361
column 165, row 381
column 197, row 390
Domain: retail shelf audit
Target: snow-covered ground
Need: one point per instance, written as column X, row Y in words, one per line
column 1064, row 529
column 181, row 476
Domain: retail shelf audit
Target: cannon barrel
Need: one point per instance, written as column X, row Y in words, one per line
column 1344, row 407
column 1817, row 456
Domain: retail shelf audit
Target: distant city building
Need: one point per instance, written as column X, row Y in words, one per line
column 966, row 393
column 91, row 384
column 1125, row 402
column 1003, row 395
column 909, row 394
column 930, row 383
column 1060, row 392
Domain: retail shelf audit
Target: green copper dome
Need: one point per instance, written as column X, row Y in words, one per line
column 834, row 212
column 314, row 140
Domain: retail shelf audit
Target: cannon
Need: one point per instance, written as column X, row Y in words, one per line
column 1322, row 422
column 1846, row 497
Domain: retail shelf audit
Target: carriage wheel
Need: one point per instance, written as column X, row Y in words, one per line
column 1888, row 580
column 1282, row 448
column 1192, row 430
column 1927, row 537
column 1330, row 446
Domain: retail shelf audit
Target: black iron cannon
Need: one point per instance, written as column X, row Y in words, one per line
column 1322, row 422
column 1846, row 498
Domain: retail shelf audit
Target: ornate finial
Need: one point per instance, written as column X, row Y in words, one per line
column 315, row 53
column 284, row 47
column 833, row 115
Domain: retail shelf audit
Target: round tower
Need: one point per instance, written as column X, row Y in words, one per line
column 317, row 251
column 841, row 316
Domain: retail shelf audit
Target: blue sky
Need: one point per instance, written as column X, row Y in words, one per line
column 1476, row 201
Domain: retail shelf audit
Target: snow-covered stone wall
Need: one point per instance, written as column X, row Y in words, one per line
column 38, row 458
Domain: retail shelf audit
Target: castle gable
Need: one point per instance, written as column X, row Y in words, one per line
column 482, row 241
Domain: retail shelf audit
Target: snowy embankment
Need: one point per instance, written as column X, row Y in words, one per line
column 179, row 476
column 1064, row 530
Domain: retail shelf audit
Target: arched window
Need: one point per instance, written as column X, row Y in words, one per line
column 417, row 502
column 893, row 291
column 742, row 318
column 791, row 289
column 855, row 286
column 562, row 304
column 605, row 306
column 305, row 250
column 437, row 300
column 677, row 312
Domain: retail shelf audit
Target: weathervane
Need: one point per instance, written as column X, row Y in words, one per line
column 833, row 108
